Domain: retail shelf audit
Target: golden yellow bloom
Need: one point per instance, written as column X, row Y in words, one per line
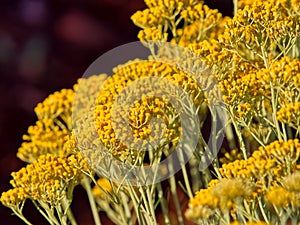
column 220, row 196
column 204, row 197
column 282, row 198
column 200, row 22
column 231, row 191
column 43, row 138
column 54, row 126
column 267, row 164
column 257, row 31
column 14, row 197
column 290, row 114
column 153, row 104
column 152, row 34
column 47, row 179
column 58, row 107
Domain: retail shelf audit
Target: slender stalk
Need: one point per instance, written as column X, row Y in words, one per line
column 262, row 211
column 87, row 186
column 239, row 135
column 175, row 199
column 274, row 111
column 49, row 216
column 136, row 205
column 185, row 176
column 20, row 215
column 151, row 204
column 163, row 205
column 66, row 206
column 235, row 7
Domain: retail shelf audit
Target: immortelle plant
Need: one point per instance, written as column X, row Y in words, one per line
column 112, row 134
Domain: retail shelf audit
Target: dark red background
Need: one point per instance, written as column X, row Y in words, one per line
column 46, row 46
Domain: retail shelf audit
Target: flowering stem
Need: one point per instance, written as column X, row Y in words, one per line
column 66, row 206
column 87, row 187
column 185, row 176
column 175, row 199
column 136, row 205
column 49, row 216
column 163, row 204
column 262, row 210
column 235, row 7
column 239, row 135
column 126, row 208
column 274, row 111
column 20, row 215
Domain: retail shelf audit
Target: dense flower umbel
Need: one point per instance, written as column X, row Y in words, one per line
column 47, row 179
column 264, row 175
column 54, row 124
column 150, row 105
column 163, row 17
column 52, row 128
column 262, row 32
column 220, row 196
column 290, row 114
column 267, row 164
column 42, row 138
column 14, row 197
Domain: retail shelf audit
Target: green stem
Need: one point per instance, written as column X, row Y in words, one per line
column 126, row 208
column 136, row 205
column 235, row 7
column 262, row 210
column 20, row 215
column 175, row 199
column 163, row 204
column 239, row 135
column 274, row 111
column 87, row 186
column 66, row 206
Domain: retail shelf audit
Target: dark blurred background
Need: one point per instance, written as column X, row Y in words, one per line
column 46, row 46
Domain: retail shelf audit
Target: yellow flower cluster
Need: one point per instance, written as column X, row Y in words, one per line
column 43, row 138
column 267, row 164
column 290, row 114
column 163, row 17
column 58, row 107
column 258, row 31
column 287, row 194
column 47, row 179
column 217, row 58
column 86, row 92
column 279, row 197
column 14, row 197
column 50, row 132
column 271, row 173
column 255, row 94
column 148, row 105
column 54, row 124
column 220, row 196
column 152, row 34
